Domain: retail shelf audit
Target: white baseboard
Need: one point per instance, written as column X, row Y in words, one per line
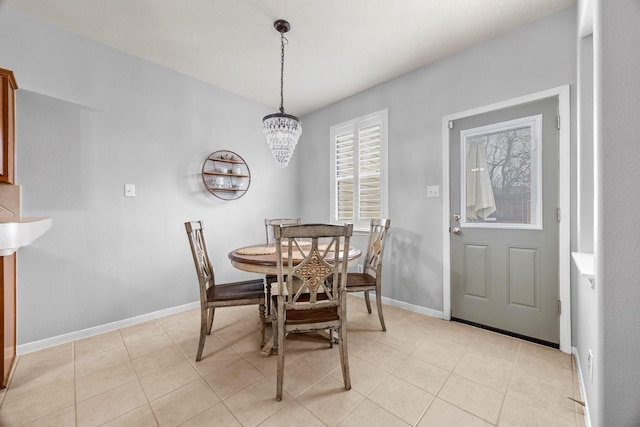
column 583, row 393
column 72, row 336
column 401, row 304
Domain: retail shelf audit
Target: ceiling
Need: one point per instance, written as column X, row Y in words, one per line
column 336, row 48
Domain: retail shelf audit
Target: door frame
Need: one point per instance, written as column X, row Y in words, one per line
column 564, row 195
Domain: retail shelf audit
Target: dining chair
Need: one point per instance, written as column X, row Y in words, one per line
column 306, row 300
column 214, row 295
column 269, row 224
column 371, row 277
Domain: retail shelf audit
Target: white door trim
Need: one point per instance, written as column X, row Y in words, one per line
column 564, row 152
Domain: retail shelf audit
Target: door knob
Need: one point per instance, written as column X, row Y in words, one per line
column 456, row 230
column 456, row 216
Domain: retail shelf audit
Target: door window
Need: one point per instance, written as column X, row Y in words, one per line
column 501, row 171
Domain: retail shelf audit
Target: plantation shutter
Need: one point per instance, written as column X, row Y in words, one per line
column 345, row 179
column 358, row 159
column 369, row 172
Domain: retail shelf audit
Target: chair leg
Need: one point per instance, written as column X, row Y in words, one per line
column 281, row 336
column 367, row 300
column 261, row 308
column 274, row 332
column 267, row 289
column 211, row 312
column 204, row 329
column 331, row 338
column 344, row 357
column 379, row 304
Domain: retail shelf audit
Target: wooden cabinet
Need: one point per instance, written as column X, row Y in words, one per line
column 8, row 87
column 226, row 175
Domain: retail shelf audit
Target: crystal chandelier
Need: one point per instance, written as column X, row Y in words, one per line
column 282, row 130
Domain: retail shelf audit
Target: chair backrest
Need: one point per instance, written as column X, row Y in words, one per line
column 204, row 269
column 375, row 247
column 270, row 223
column 306, row 263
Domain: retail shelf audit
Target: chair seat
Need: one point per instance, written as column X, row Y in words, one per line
column 300, row 317
column 248, row 289
column 355, row 280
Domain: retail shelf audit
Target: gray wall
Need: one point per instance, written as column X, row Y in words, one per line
column 539, row 56
column 583, row 296
column 91, row 119
column 617, row 243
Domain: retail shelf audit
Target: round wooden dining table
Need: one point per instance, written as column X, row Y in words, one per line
column 262, row 258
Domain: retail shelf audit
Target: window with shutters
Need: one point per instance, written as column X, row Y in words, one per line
column 358, row 162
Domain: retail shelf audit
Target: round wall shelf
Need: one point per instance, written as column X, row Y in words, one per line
column 226, row 175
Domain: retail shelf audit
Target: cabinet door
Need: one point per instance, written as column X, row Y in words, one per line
column 8, row 328
column 8, row 87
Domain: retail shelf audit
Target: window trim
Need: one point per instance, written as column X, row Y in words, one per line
column 535, row 124
column 380, row 117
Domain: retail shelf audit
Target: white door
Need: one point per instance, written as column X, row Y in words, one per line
column 504, row 220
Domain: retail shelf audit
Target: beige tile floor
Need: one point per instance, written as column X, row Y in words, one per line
column 421, row 372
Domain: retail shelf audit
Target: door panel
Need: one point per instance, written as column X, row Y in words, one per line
column 476, row 270
column 504, row 185
column 524, row 283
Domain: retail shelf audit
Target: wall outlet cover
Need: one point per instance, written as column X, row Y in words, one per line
column 129, row 190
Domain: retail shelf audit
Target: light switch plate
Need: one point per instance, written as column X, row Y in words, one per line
column 433, row 191
column 129, row 190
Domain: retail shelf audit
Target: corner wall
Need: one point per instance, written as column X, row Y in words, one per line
column 584, row 292
column 537, row 57
column 617, row 198
column 89, row 120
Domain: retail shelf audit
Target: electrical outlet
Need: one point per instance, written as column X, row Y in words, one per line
column 359, row 268
column 433, row 191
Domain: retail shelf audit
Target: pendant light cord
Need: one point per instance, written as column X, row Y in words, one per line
column 282, row 39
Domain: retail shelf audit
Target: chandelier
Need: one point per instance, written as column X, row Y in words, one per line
column 282, row 130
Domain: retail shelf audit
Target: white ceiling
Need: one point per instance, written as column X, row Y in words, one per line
column 336, row 47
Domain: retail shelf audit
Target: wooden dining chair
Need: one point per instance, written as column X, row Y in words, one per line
column 306, row 300
column 371, row 277
column 214, row 295
column 269, row 225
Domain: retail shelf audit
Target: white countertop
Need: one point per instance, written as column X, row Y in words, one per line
column 16, row 232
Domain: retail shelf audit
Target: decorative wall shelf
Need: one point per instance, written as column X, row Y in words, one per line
column 226, row 175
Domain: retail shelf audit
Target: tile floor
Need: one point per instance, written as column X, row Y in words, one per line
column 421, row 372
